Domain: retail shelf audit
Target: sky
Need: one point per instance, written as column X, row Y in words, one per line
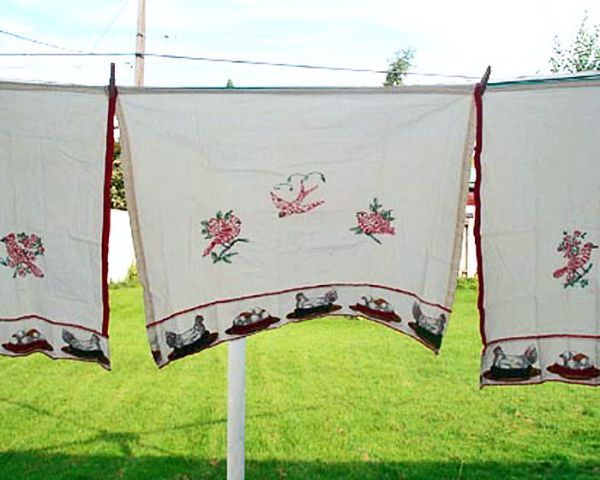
column 457, row 37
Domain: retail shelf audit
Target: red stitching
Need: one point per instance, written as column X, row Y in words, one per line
column 108, row 161
column 524, row 384
column 543, row 336
column 53, row 322
column 288, row 290
column 477, row 199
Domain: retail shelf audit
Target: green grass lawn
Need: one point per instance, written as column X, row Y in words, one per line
column 326, row 399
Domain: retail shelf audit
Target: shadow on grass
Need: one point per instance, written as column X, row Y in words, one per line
column 126, row 463
column 47, row 463
column 33, row 465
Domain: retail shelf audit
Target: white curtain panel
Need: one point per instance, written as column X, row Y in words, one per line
column 255, row 208
column 52, row 199
column 540, row 231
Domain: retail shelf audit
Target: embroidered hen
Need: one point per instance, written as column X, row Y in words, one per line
column 179, row 340
column 434, row 324
column 91, row 345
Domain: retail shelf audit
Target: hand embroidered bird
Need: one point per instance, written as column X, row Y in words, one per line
column 22, row 250
column 296, row 206
column 578, row 255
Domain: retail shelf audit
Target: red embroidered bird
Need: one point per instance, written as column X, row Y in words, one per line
column 291, row 207
column 577, row 258
column 575, row 261
column 20, row 258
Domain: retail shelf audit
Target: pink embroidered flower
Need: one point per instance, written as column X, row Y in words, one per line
column 376, row 222
column 22, row 250
column 371, row 223
column 222, row 230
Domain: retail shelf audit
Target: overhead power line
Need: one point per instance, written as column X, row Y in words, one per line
column 110, row 25
column 233, row 61
column 80, row 53
column 39, row 42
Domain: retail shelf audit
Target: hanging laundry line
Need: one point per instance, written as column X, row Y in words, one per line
column 229, row 60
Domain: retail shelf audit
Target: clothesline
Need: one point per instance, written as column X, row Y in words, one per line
column 571, row 77
column 229, row 60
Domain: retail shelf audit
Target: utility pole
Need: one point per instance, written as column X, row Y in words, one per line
column 140, row 44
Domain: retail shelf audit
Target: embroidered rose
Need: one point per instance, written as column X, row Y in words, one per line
column 222, row 231
column 22, row 250
column 371, row 223
column 375, row 222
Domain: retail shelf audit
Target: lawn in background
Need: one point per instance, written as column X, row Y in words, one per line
column 326, row 399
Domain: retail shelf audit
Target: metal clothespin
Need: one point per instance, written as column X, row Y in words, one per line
column 484, row 80
column 111, row 84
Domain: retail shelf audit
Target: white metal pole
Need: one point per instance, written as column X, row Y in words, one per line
column 236, row 410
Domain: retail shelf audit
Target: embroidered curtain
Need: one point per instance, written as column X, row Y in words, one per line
column 539, row 216
column 255, row 208
column 53, row 199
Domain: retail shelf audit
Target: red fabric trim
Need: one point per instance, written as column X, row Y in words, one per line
column 288, row 290
column 539, row 382
column 541, row 337
column 53, row 322
column 108, row 161
column 477, row 199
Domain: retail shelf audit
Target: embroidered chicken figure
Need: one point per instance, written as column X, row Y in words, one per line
column 433, row 324
column 292, row 207
column 23, row 337
column 575, row 361
column 91, row 345
column 20, row 257
column 505, row 361
column 179, row 340
column 303, row 302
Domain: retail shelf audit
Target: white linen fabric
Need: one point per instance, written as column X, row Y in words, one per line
column 254, row 208
column 540, row 231
column 52, row 169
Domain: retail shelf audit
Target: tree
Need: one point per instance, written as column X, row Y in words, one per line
column 398, row 66
column 229, row 83
column 582, row 55
column 117, row 187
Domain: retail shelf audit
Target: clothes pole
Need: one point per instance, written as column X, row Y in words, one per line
column 236, row 410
